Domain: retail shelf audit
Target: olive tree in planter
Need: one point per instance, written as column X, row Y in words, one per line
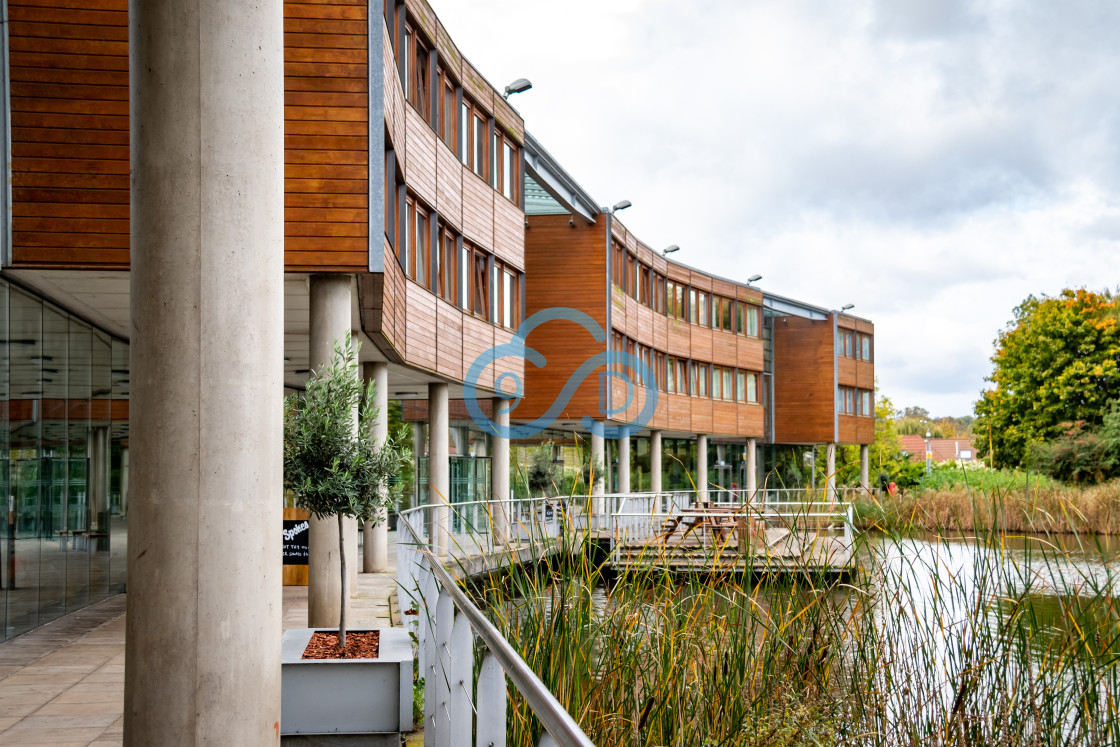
column 331, row 462
column 334, row 468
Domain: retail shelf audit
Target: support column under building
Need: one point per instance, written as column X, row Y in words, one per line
column 499, row 472
column 375, row 538
column 329, row 323
column 598, row 468
column 624, row 464
column 439, row 470
column 864, row 464
column 203, row 624
column 830, row 472
column 752, row 468
column 701, row 467
column 655, row 461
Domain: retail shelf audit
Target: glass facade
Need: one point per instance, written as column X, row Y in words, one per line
column 63, row 462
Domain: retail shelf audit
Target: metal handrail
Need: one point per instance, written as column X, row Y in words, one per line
column 552, row 715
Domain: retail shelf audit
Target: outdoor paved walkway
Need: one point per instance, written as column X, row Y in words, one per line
column 63, row 684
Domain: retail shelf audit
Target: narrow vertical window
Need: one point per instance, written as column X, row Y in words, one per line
column 507, row 171
column 741, row 386
column 464, row 133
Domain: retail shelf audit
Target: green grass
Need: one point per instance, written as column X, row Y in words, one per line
column 929, row 647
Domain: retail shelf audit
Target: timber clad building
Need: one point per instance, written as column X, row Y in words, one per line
column 418, row 214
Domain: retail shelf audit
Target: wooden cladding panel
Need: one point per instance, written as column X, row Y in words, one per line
column 865, row 375
column 701, row 415
column 506, row 363
column 420, row 335
column 751, row 419
column 845, row 322
column 390, row 299
column 476, row 87
column 678, row 274
column 661, row 415
column 449, row 340
column 680, row 338
column 750, row 295
column 723, row 288
column 701, row 347
column 424, row 15
column 565, row 266
column 509, row 231
column 478, row 337
column 478, row 209
column 725, row 418
column 845, row 371
column 660, row 332
column 631, row 329
column 449, row 186
column 804, row 396
column 618, row 310
column 69, row 122
column 863, row 325
column 749, row 353
column 420, row 163
column 856, row 429
column 326, row 137
column 680, row 412
column 700, row 281
column 725, row 347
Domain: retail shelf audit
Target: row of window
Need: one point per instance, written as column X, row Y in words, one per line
column 458, row 120
column 853, row 344
column 852, row 401
column 652, row 289
column 694, row 378
column 436, row 257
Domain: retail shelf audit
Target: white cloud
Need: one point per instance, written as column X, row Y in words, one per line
column 931, row 161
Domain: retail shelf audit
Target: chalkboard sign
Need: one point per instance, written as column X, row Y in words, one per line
column 295, row 541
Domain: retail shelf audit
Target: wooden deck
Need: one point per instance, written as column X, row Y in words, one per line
column 769, row 550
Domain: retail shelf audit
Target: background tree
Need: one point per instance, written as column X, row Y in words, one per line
column 1057, row 362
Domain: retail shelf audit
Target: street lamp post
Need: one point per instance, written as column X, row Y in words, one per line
column 929, row 453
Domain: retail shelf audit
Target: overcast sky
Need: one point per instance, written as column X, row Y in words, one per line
column 931, row 161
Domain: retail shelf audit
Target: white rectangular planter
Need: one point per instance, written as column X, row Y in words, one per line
column 346, row 696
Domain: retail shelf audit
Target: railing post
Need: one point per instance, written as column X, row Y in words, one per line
column 440, row 708
column 491, row 704
column 460, row 681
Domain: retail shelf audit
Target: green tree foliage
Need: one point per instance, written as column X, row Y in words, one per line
column 1058, row 361
column 1082, row 454
column 331, row 462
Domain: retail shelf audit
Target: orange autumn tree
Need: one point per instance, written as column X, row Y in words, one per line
column 1057, row 362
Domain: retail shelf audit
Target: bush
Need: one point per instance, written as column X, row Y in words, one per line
column 1083, row 454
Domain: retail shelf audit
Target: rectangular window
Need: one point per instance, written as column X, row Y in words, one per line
column 700, row 379
column 865, row 343
column 465, row 261
column 448, row 111
column 740, row 318
column 727, row 393
column 692, row 305
column 702, row 307
column 752, row 321
column 659, row 294
column 421, row 242
column 464, row 133
column 682, row 377
column 740, row 386
column 479, row 145
column 849, row 344
column 509, row 168
column 671, row 376
column 752, row 387
column 419, row 94
column 510, row 303
column 446, row 274
column 480, row 286
column 643, row 285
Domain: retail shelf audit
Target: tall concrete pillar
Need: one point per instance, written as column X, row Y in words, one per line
column 655, row 461
column 830, row 470
column 203, row 622
column 375, row 539
column 752, row 468
column 598, row 468
column 439, row 470
column 864, row 460
column 499, row 472
column 624, row 465
column 701, row 467
column 329, row 323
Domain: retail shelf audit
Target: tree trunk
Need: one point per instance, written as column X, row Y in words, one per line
column 345, row 590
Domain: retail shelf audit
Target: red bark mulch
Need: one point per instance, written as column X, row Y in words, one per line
column 360, row 644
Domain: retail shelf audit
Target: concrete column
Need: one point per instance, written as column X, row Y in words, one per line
column 752, row 468
column 375, row 539
column 655, row 461
column 830, row 470
column 624, row 465
column 124, row 481
column 701, row 467
column 329, row 323
column 598, row 468
column 864, row 464
column 439, row 470
column 499, row 472
column 203, row 622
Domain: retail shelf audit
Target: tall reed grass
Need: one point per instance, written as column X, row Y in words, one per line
column 1037, row 508
column 943, row 642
